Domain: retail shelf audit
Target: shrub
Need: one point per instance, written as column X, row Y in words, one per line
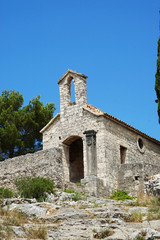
column 5, row 193
column 34, row 187
column 121, row 195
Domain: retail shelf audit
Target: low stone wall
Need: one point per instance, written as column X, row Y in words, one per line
column 44, row 163
column 131, row 177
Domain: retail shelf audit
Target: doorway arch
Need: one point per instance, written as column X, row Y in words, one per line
column 75, row 153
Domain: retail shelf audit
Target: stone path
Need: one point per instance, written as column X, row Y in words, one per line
column 94, row 218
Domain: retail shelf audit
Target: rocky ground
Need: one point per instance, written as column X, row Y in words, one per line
column 63, row 218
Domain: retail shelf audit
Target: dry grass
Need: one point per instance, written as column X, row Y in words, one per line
column 50, row 209
column 152, row 203
column 103, row 233
column 14, row 218
column 39, row 233
column 135, row 217
column 6, row 232
column 141, row 236
column 145, row 201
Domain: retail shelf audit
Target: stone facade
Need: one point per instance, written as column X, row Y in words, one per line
column 45, row 163
column 98, row 149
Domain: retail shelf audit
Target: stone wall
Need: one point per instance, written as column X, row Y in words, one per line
column 118, row 137
column 110, row 138
column 116, row 142
column 131, row 177
column 45, row 163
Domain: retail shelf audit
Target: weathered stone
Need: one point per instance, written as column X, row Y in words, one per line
column 110, row 154
column 66, row 196
column 64, row 222
column 152, row 186
column 31, row 210
column 118, row 235
column 84, row 144
column 9, row 201
column 45, row 163
column 143, row 210
column 18, row 231
column 152, row 234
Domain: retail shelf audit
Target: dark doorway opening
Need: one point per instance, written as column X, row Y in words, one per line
column 76, row 167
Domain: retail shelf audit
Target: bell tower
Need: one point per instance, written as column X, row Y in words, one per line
column 77, row 81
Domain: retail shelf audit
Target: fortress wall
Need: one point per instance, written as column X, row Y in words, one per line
column 44, row 163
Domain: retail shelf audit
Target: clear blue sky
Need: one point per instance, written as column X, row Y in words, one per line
column 113, row 42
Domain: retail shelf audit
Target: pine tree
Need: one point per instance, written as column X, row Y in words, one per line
column 20, row 126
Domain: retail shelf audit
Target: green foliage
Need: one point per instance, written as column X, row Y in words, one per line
column 76, row 197
column 141, row 236
column 157, row 82
column 121, row 195
column 20, row 126
column 6, row 193
column 78, row 184
column 69, row 190
column 34, row 187
column 154, row 210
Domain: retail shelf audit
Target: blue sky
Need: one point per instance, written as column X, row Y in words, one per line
column 113, row 42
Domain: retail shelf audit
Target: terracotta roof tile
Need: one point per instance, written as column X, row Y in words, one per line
column 98, row 111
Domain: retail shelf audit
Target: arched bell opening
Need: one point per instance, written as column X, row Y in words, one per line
column 76, row 166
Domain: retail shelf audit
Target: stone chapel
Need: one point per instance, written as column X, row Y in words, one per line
column 98, row 150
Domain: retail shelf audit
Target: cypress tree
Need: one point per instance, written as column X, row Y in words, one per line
column 157, row 82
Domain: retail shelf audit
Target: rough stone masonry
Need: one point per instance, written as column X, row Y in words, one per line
column 47, row 163
column 89, row 146
column 98, row 149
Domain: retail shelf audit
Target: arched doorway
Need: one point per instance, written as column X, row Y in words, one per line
column 76, row 167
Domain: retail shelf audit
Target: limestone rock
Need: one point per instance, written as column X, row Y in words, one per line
column 32, row 210
column 18, row 231
column 63, row 221
column 153, row 185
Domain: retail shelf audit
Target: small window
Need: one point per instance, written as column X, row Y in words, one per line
column 123, row 151
column 72, row 91
column 140, row 145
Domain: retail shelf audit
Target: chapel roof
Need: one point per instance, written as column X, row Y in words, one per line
column 69, row 71
column 106, row 115
column 98, row 112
